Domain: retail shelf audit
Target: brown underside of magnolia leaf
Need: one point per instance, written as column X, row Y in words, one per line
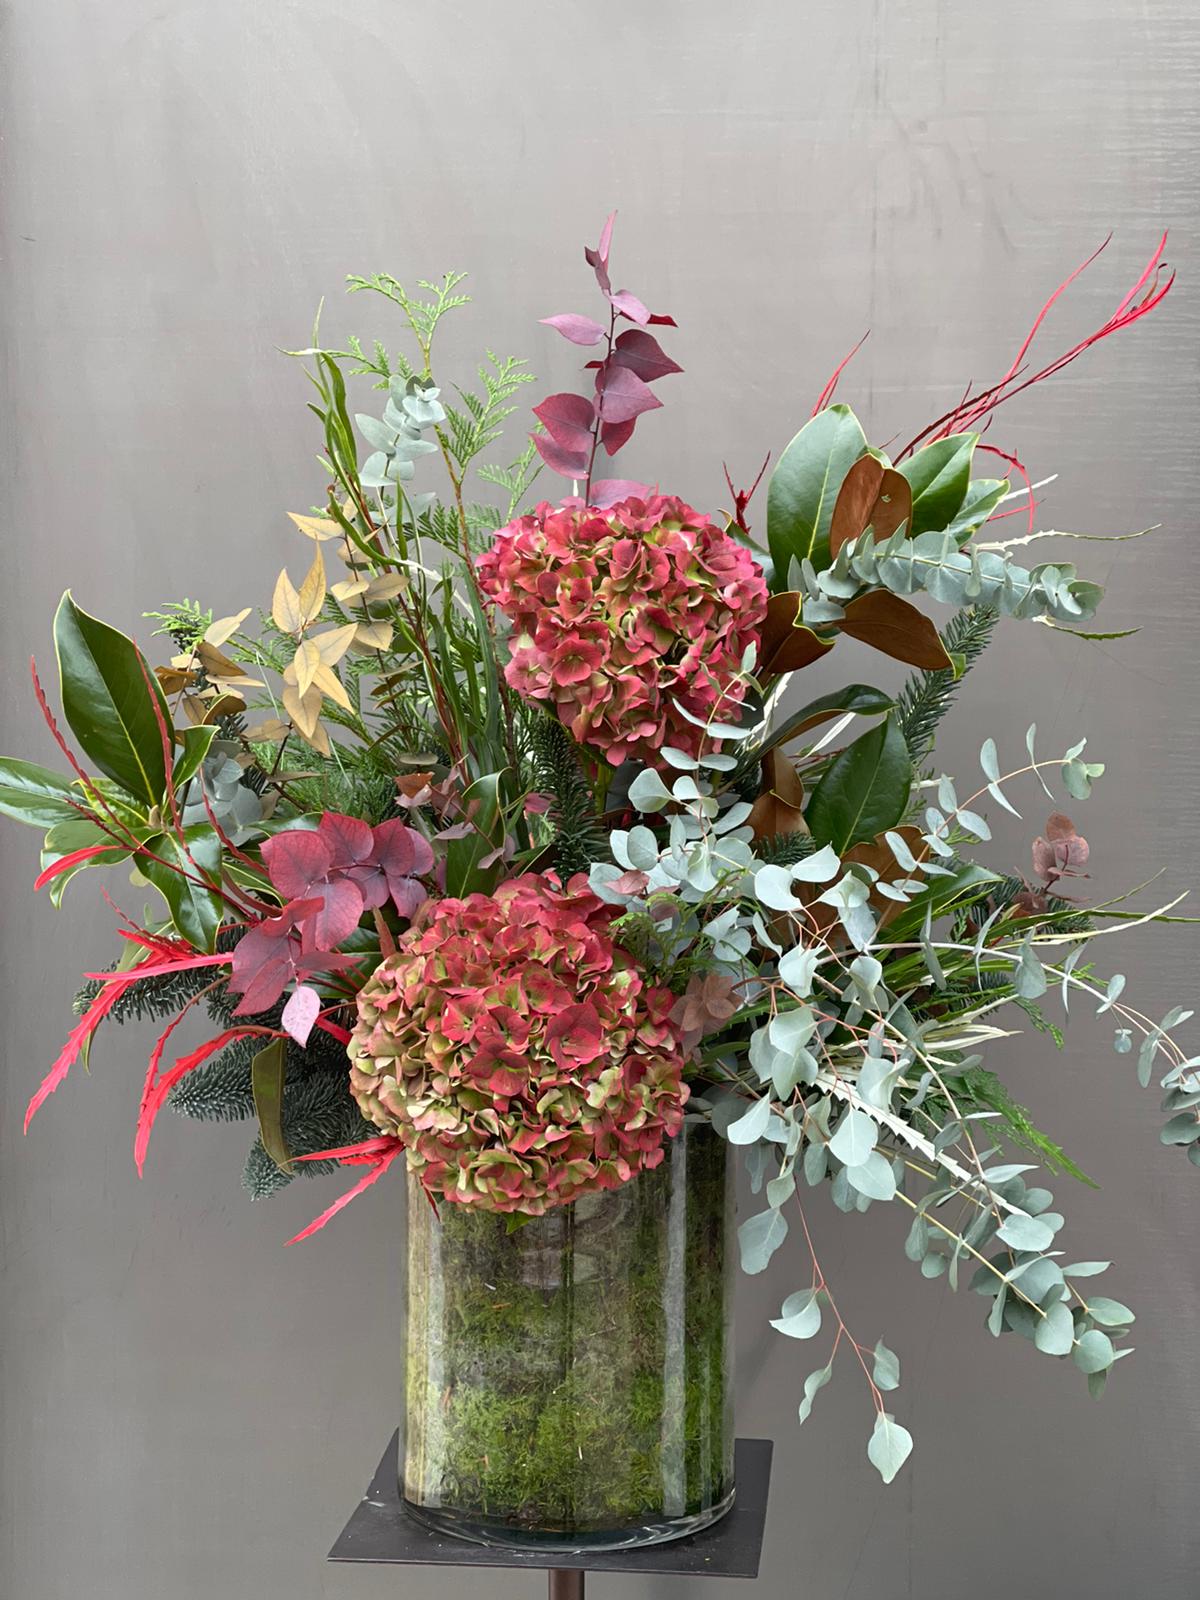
column 786, row 645
column 780, row 804
column 897, row 629
column 872, row 496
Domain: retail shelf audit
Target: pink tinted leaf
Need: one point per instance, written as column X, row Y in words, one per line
column 399, row 848
column 349, row 839
column 628, row 305
column 301, row 1012
column 376, row 1171
column 606, row 236
column 615, row 436
column 624, row 395
column 571, row 463
column 341, row 908
column 598, row 259
column 608, row 491
column 408, row 895
column 264, row 986
column 579, row 330
column 568, row 419
column 296, row 859
column 641, row 353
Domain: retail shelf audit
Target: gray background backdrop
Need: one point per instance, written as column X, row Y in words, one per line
column 188, row 1410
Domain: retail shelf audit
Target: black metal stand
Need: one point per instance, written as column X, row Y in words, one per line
column 381, row 1532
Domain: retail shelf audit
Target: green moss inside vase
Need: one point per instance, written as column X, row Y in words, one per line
column 568, row 1381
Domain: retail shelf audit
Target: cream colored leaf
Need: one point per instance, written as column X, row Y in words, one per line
column 325, row 679
column 312, row 590
column 186, row 662
column 223, row 629
column 285, row 606
column 319, row 528
column 373, row 635
column 334, row 642
column 318, row 739
column 347, row 590
column 267, row 732
column 306, row 662
column 304, row 710
column 387, row 586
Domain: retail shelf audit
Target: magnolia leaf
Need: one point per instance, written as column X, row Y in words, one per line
column 786, row 643
column 182, row 870
column 109, row 699
column 897, row 629
column 889, row 1447
column 864, row 790
column 939, row 476
column 266, row 1079
column 779, row 807
column 804, row 486
column 871, row 495
column 33, row 794
column 857, row 697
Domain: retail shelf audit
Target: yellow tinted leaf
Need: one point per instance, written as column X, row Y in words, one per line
column 334, row 642
column 307, row 660
column 304, row 710
column 373, row 635
column 387, row 586
column 285, row 606
column 346, row 590
column 318, row 528
column 224, row 628
column 325, row 679
column 312, row 590
column 267, row 732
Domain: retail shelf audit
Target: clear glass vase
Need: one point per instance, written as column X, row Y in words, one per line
column 569, row 1382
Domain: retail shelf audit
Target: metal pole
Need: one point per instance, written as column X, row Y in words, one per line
column 566, row 1584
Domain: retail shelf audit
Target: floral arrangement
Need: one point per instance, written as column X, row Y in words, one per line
column 506, row 839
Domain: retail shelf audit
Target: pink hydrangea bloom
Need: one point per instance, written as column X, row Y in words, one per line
column 618, row 614
column 517, row 1052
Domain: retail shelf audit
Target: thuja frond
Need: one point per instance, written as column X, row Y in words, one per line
column 423, row 315
column 185, row 622
column 927, row 696
column 579, row 838
column 480, row 423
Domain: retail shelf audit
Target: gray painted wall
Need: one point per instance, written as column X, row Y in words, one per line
column 190, row 1411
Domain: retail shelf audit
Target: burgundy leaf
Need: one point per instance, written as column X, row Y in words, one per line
column 642, row 353
column 598, row 259
column 408, row 895
column 264, row 987
column 662, row 322
column 608, row 491
column 401, row 849
column 615, row 436
column 349, row 838
column 296, row 859
column 341, row 908
column 628, row 305
column 301, row 1012
column 568, row 419
column 571, row 463
column 623, row 395
column 579, row 330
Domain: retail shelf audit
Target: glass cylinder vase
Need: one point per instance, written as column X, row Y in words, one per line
column 569, row 1381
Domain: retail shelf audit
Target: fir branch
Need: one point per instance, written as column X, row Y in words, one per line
column 579, row 837
column 782, row 849
column 927, row 696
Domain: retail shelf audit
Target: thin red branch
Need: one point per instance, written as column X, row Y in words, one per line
column 827, row 392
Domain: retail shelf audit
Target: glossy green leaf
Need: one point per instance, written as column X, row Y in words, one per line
column 939, row 476
column 267, row 1072
column 864, row 790
column 33, row 794
column 465, row 873
column 107, row 702
column 857, row 697
column 804, row 488
column 196, row 743
column 196, row 910
column 78, row 834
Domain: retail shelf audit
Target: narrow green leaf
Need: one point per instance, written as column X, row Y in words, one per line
column 464, row 872
column 267, row 1072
